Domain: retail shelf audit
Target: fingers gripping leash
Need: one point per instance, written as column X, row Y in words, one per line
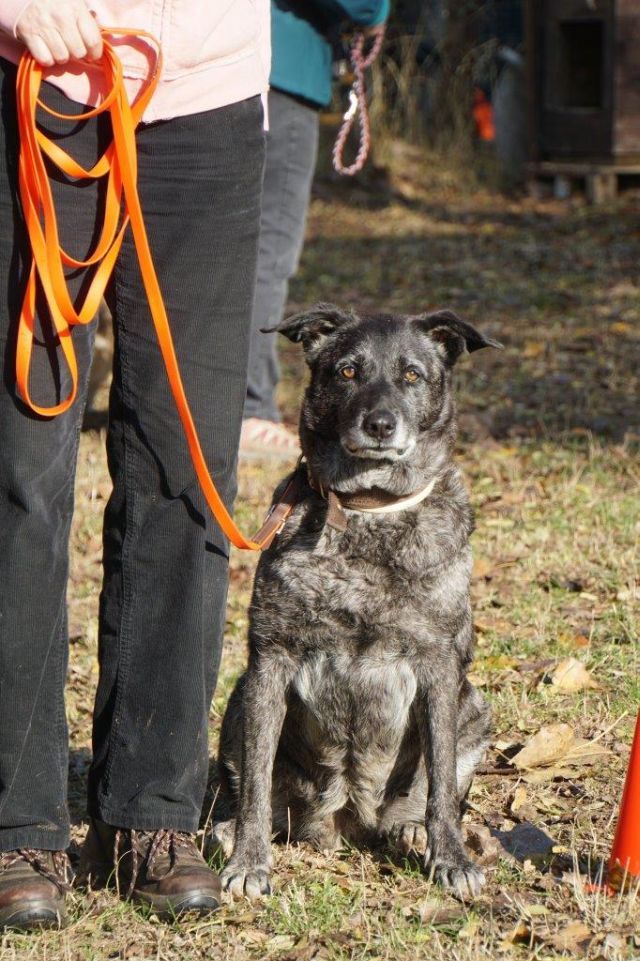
column 118, row 164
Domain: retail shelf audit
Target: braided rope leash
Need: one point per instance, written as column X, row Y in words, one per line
column 357, row 105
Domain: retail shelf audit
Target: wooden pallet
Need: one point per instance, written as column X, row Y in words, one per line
column 600, row 179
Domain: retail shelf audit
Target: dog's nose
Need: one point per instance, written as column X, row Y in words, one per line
column 379, row 424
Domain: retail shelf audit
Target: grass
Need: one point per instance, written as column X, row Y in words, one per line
column 548, row 444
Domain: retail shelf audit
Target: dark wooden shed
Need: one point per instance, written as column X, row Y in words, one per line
column 583, row 61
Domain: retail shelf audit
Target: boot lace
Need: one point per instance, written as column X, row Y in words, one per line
column 157, row 844
column 57, row 872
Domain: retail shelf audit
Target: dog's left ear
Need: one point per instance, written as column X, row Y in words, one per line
column 453, row 335
column 312, row 326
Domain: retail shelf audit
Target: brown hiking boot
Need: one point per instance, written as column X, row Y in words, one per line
column 32, row 888
column 163, row 869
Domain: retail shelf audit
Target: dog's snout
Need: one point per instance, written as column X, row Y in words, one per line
column 380, row 424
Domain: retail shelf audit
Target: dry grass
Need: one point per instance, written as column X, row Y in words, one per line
column 549, row 447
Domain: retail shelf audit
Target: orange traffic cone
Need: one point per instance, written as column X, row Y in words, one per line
column 625, row 854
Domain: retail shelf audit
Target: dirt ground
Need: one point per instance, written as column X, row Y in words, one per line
column 549, row 445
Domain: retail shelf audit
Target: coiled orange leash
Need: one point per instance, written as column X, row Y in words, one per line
column 122, row 208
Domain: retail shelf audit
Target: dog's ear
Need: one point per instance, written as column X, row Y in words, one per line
column 453, row 335
column 312, row 326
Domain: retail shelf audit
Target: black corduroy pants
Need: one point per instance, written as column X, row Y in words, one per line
column 165, row 560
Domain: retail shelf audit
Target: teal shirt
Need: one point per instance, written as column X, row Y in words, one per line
column 301, row 54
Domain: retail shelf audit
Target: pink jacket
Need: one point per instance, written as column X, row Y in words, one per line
column 215, row 52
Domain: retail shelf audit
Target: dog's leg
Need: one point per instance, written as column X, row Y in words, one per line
column 474, row 717
column 401, row 817
column 436, row 712
column 264, row 709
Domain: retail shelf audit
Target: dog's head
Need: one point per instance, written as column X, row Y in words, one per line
column 380, row 389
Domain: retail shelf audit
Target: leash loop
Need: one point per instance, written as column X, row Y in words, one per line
column 122, row 209
column 357, row 106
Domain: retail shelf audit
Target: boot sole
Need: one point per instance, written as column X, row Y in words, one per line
column 34, row 914
column 167, row 909
column 103, row 875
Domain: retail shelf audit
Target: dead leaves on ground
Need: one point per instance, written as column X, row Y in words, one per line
column 571, row 676
column 552, row 752
column 570, row 937
column 565, row 677
column 549, row 744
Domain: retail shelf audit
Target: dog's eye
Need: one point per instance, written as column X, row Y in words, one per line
column 411, row 375
column 348, row 372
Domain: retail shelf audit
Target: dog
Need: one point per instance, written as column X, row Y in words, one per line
column 355, row 719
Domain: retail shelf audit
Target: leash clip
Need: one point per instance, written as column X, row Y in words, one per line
column 353, row 105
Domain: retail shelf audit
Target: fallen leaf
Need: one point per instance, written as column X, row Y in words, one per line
column 482, row 567
column 281, row 942
column 482, row 842
column 497, row 624
column 521, row 934
column 253, row 935
column 580, row 640
column 496, row 662
column 571, row 676
column 613, row 946
column 432, row 911
column 534, row 910
column 584, row 752
column 533, row 348
column 521, row 806
column 574, row 937
column 551, row 743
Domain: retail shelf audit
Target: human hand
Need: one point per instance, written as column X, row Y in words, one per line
column 56, row 31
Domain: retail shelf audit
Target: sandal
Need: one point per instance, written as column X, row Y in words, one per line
column 267, row 438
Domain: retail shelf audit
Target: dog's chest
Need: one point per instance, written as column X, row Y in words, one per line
column 353, row 684
column 352, row 712
column 347, row 596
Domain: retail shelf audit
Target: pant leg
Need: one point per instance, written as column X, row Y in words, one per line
column 165, row 561
column 292, row 148
column 37, row 467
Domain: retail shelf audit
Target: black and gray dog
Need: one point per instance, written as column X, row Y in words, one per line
column 355, row 718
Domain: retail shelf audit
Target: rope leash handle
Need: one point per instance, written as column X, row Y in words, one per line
column 122, row 208
column 357, row 106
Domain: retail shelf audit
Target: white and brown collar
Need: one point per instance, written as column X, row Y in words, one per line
column 372, row 500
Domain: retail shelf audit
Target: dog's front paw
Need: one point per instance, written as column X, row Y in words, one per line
column 460, row 876
column 447, row 863
column 243, row 876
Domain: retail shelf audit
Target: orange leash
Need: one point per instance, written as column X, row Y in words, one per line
column 119, row 165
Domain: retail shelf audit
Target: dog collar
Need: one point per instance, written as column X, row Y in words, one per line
column 401, row 504
column 374, row 500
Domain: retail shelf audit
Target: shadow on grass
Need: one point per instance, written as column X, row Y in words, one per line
column 555, row 285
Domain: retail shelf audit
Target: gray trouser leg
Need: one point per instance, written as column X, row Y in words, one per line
column 292, row 147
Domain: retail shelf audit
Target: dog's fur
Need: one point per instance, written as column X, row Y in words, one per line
column 355, row 718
